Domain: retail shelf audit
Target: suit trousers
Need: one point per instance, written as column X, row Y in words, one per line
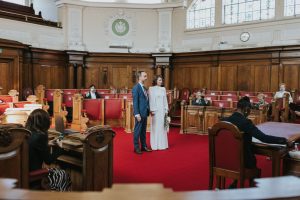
column 140, row 133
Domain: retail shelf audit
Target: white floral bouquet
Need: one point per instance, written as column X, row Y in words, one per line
column 167, row 121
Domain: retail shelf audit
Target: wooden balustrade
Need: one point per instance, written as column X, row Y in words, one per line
column 130, row 119
column 197, row 119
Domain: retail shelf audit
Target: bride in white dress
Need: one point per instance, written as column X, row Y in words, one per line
column 158, row 108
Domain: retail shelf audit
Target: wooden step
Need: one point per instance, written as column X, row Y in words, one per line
column 174, row 124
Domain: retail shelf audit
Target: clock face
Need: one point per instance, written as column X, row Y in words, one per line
column 245, row 36
column 120, row 27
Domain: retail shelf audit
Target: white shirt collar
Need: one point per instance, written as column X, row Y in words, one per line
column 93, row 95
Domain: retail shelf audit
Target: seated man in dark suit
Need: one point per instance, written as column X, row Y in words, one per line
column 92, row 94
column 239, row 119
column 200, row 100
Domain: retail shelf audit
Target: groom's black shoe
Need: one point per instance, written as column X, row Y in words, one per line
column 137, row 151
column 146, row 149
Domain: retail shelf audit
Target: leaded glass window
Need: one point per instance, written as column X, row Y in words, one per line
column 239, row 11
column 291, row 7
column 201, row 14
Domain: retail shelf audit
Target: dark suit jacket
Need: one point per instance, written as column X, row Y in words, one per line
column 140, row 101
column 89, row 96
column 202, row 102
column 250, row 130
column 39, row 151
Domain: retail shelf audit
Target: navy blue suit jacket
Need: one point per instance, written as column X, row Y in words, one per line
column 140, row 101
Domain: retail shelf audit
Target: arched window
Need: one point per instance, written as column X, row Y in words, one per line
column 238, row 11
column 21, row 2
column 201, row 14
column 291, row 7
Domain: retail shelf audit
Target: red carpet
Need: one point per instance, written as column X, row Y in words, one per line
column 183, row 167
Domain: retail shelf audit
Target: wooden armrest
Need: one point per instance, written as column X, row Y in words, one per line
column 38, row 174
column 70, row 160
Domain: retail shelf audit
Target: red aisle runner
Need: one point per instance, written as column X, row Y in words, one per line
column 183, row 167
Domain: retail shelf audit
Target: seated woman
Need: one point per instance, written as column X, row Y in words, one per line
column 239, row 119
column 200, row 100
column 38, row 123
column 261, row 101
column 92, row 94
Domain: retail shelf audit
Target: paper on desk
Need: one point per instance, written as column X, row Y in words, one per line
column 269, row 144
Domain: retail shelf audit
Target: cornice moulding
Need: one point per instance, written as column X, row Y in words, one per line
column 60, row 3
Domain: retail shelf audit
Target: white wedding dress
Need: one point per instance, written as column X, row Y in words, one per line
column 158, row 105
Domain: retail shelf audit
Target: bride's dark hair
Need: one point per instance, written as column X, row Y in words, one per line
column 154, row 83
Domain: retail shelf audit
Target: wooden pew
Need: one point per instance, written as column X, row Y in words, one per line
column 94, row 109
column 125, row 96
column 230, row 93
column 108, row 96
column 222, row 103
column 213, row 92
column 3, row 107
column 49, row 94
column 130, row 119
column 104, row 91
column 228, row 98
column 246, row 93
column 68, row 102
column 286, row 187
column 197, row 119
column 59, row 109
column 193, row 119
column 40, row 94
column 129, row 122
column 31, row 99
column 114, row 112
column 79, row 116
column 14, row 154
column 98, row 158
column 211, row 116
column 88, row 158
column 11, row 97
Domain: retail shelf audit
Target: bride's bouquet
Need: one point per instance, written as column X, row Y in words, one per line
column 167, row 121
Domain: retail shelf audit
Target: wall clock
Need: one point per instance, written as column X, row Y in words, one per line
column 245, row 36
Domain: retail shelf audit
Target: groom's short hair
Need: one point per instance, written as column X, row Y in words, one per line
column 139, row 74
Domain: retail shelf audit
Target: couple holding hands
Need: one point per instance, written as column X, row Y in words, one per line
column 155, row 103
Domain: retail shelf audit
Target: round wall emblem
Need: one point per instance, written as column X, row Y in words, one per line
column 120, row 27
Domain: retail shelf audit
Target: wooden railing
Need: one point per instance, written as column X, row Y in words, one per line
column 197, row 119
column 24, row 13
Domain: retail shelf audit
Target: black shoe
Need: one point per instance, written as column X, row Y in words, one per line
column 146, row 149
column 137, row 151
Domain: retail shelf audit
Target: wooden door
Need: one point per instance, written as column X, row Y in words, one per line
column 5, row 74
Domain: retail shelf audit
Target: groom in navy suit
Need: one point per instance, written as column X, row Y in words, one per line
column 141, row 112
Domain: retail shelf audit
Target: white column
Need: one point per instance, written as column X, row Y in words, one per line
column 279, row 9
column 218, row 13
column 164, row 30
column 73, row 30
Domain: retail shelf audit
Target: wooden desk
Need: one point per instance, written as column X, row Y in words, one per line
column 7, row 183
column 88, row 158
column 276, row 152
column 267, row 188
